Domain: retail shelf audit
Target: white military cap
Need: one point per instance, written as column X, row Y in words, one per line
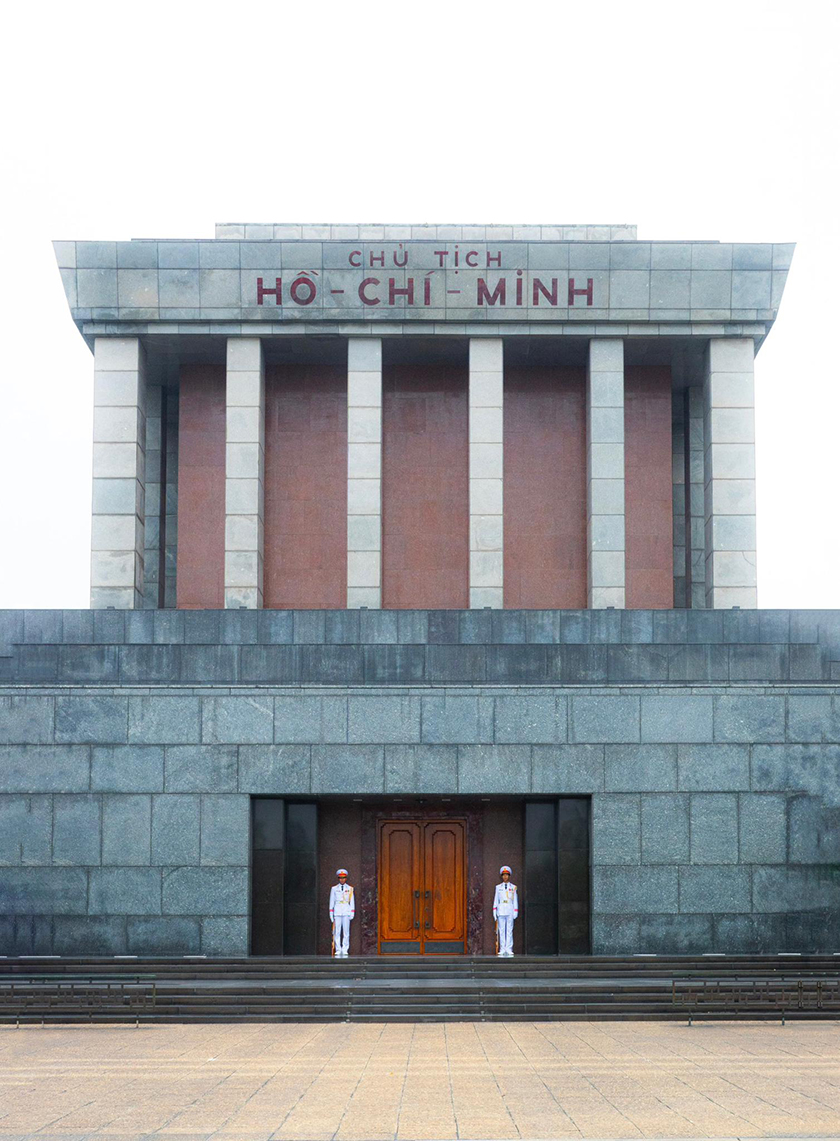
column 504, row 868
column 341, row 872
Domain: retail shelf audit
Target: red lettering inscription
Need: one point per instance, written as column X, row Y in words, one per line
column 485, row 297
column 303, row 291
column 394, row 292
column 549, row 294
column 363, row 296
column 276, row 292
column 587, row 293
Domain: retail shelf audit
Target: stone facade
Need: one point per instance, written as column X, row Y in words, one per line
column 131, row 743
column 377, row 298
column 703, row 739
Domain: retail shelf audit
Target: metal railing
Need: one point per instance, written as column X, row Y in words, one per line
column 755, row 996
column 46, row 999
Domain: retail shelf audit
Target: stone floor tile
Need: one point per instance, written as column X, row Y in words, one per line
column 429, row 1082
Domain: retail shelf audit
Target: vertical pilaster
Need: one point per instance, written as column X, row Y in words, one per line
column 169, row 511
column 729, row 398
column 244, row 473
column 679, row 443
column 695, row 500
column 119, row 474
column 605, row 529
column 486, row 406
column 364, row 472
column 155, row 467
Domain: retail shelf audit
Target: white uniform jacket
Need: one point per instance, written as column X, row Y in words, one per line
column 342, row 901
column 505, row 901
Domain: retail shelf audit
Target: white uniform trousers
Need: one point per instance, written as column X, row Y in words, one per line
column 505, row 934
column 342, row 934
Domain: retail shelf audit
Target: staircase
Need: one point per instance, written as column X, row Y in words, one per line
column 416, row 989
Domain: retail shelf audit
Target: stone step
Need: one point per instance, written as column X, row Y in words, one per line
column 329, row 994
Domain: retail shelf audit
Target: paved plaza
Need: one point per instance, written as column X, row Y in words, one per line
column 391, row 1081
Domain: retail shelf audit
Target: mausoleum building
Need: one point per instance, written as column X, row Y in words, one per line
column 418, row 550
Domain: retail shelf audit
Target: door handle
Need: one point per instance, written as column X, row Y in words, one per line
column 428, row 921
column 414, row 909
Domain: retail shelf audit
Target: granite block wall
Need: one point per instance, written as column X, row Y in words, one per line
column 124, row 806
column 381, row 647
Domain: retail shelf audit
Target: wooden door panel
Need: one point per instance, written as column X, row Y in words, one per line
column 399, row 886
column 422, row 904
column 444, row 928
column 402, row 845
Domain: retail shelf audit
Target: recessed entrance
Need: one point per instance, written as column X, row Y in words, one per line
column 422, row 887
column 424, row 871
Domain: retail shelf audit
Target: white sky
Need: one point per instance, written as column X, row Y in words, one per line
column 695, row 120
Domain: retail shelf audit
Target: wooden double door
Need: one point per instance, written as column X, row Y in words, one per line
column 422, row 887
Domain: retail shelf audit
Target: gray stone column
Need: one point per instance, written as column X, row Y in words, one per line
column 678, row 494
column 486, row 415
column 159, row 573
column 364, row 472
column 688, row 450
column 695, row 500
column 729, row 398
column 605, row 473
column 152, row 590
column 244, row 473
column 119, row 474
column 171, row 502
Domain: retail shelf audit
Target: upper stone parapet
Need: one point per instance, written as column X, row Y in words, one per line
column 404, row 232
column 556, row 280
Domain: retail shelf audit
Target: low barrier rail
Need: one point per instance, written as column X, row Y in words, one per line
column 32, row 999
column 47, row 998
column 755, row 996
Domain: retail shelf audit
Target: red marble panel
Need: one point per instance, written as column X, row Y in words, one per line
column 201, row 487
column 305, row 486
column 425, row 487
column 545, row 487
column 648, row 493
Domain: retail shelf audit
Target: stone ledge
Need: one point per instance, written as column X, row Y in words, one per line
column 418, row 647
column 365, row 664
column 421, row 627
column 403, row 231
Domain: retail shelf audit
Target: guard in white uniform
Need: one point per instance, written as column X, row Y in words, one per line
column 505, row 910
column 342, row 910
